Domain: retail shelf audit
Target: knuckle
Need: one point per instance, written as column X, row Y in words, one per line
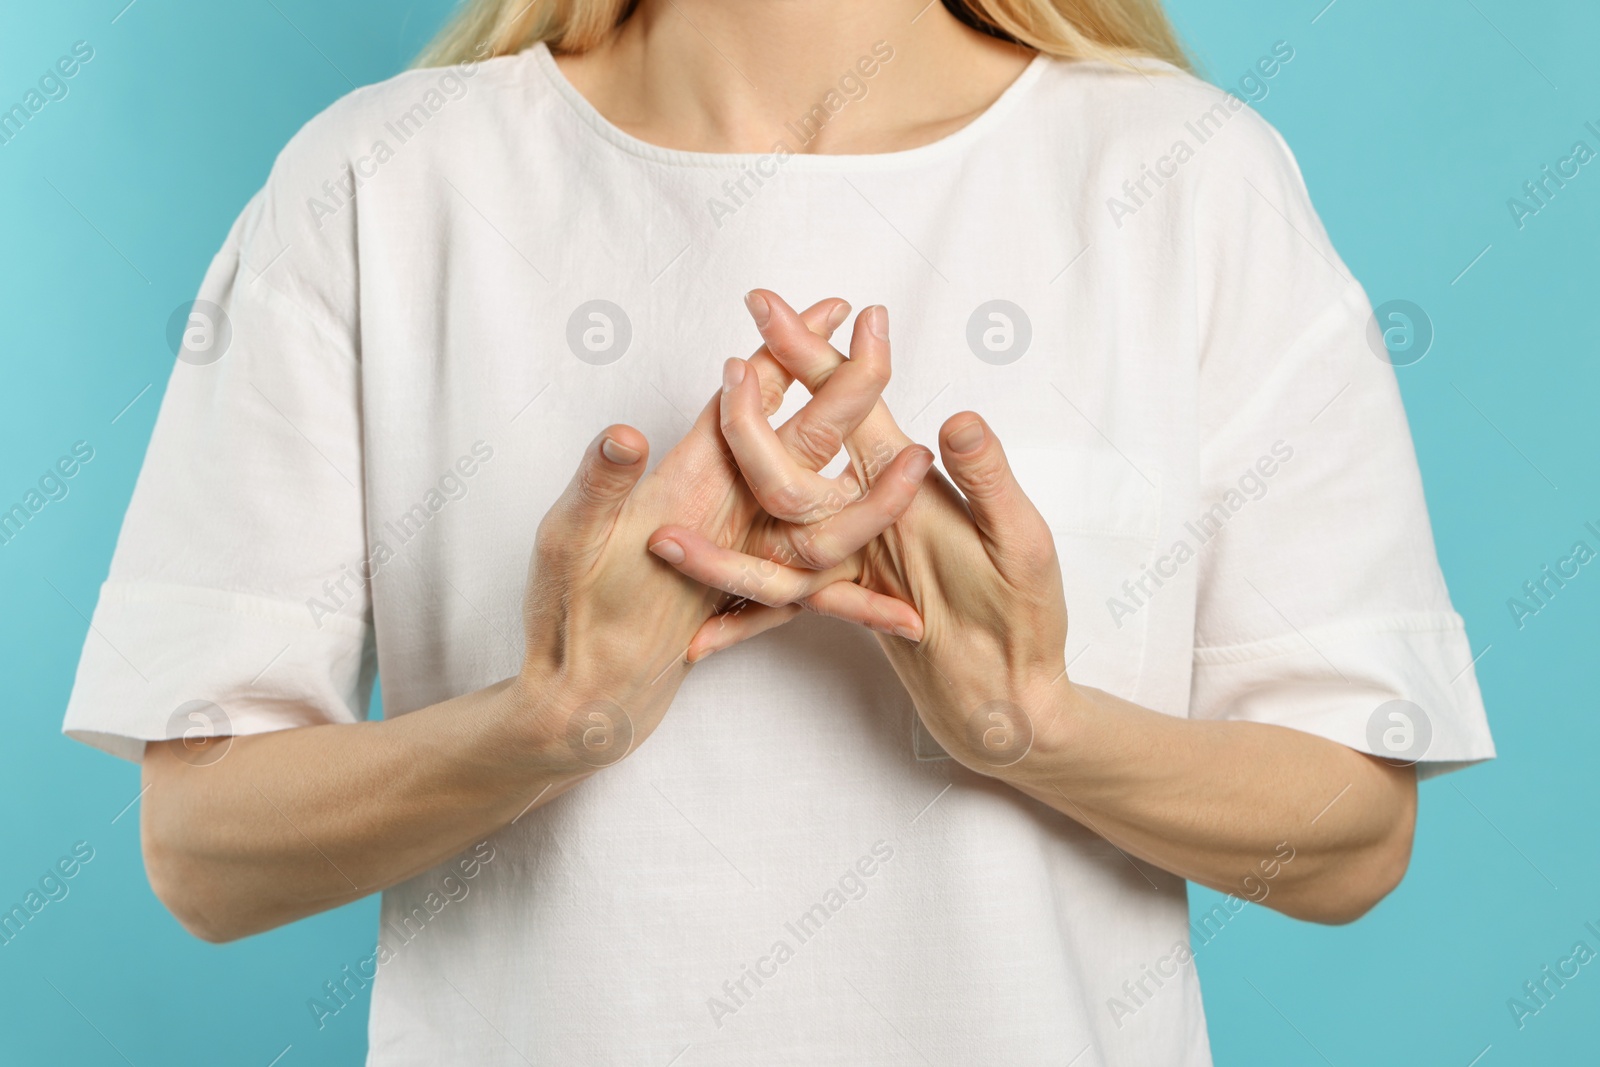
column 832, row 502
column 818, row 438
column 788, row 501
column 772, row 393
column 817, row 553
column 593, row 488
column 876, row 374
column 986, row 477
column 1043, row 544
column 550, row 543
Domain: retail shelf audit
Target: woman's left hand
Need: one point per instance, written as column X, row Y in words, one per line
column 978, row 563
column 976, row 560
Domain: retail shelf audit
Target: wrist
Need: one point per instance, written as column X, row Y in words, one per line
column 1053, row 718
column 544, row 723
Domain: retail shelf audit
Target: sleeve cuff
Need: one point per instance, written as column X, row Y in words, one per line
column 165, row 661
column 1399, row 687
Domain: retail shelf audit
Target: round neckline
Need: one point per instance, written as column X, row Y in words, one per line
column 953, row 141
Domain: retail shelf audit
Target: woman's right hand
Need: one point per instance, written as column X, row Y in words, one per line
column 608, row 624
column 246, row 833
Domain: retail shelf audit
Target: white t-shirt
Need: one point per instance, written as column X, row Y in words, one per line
column 1120, row 270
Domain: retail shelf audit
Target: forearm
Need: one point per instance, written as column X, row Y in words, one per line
column 1224, row 803
column 295, row 822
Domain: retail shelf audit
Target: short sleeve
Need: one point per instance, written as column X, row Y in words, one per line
column 234, row 602
column 1320, row 604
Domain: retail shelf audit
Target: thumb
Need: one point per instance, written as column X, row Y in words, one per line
column 611, row 467
column 977, row 465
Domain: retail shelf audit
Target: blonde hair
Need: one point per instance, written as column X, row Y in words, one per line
column 1114, row 30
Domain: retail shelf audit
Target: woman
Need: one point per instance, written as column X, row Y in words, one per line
column 944, row 824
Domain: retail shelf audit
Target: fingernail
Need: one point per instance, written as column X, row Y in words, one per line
column 668, row 550
column 918, row 465
column 840, row 312
column 732, row 374
column 906, row 632
column 619, row 454
column 757, row 305
column 878, row 321
column 966, row 439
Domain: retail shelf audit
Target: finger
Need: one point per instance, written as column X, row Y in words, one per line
column 812, row 361
column 783, row 475
column 840, row 600
column 761, row 581
column 733, row 627
column 803, row 354
column 820, row 319
column 835, row 598
column 764, row 581
column 976, row 463
column 610, row 468
column 831, row 538
column 777, row 585
column 845, row 397
column 704, row 447
column 875, row 611
column 786, row 489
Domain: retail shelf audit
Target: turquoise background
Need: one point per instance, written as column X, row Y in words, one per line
column 1414, row 123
